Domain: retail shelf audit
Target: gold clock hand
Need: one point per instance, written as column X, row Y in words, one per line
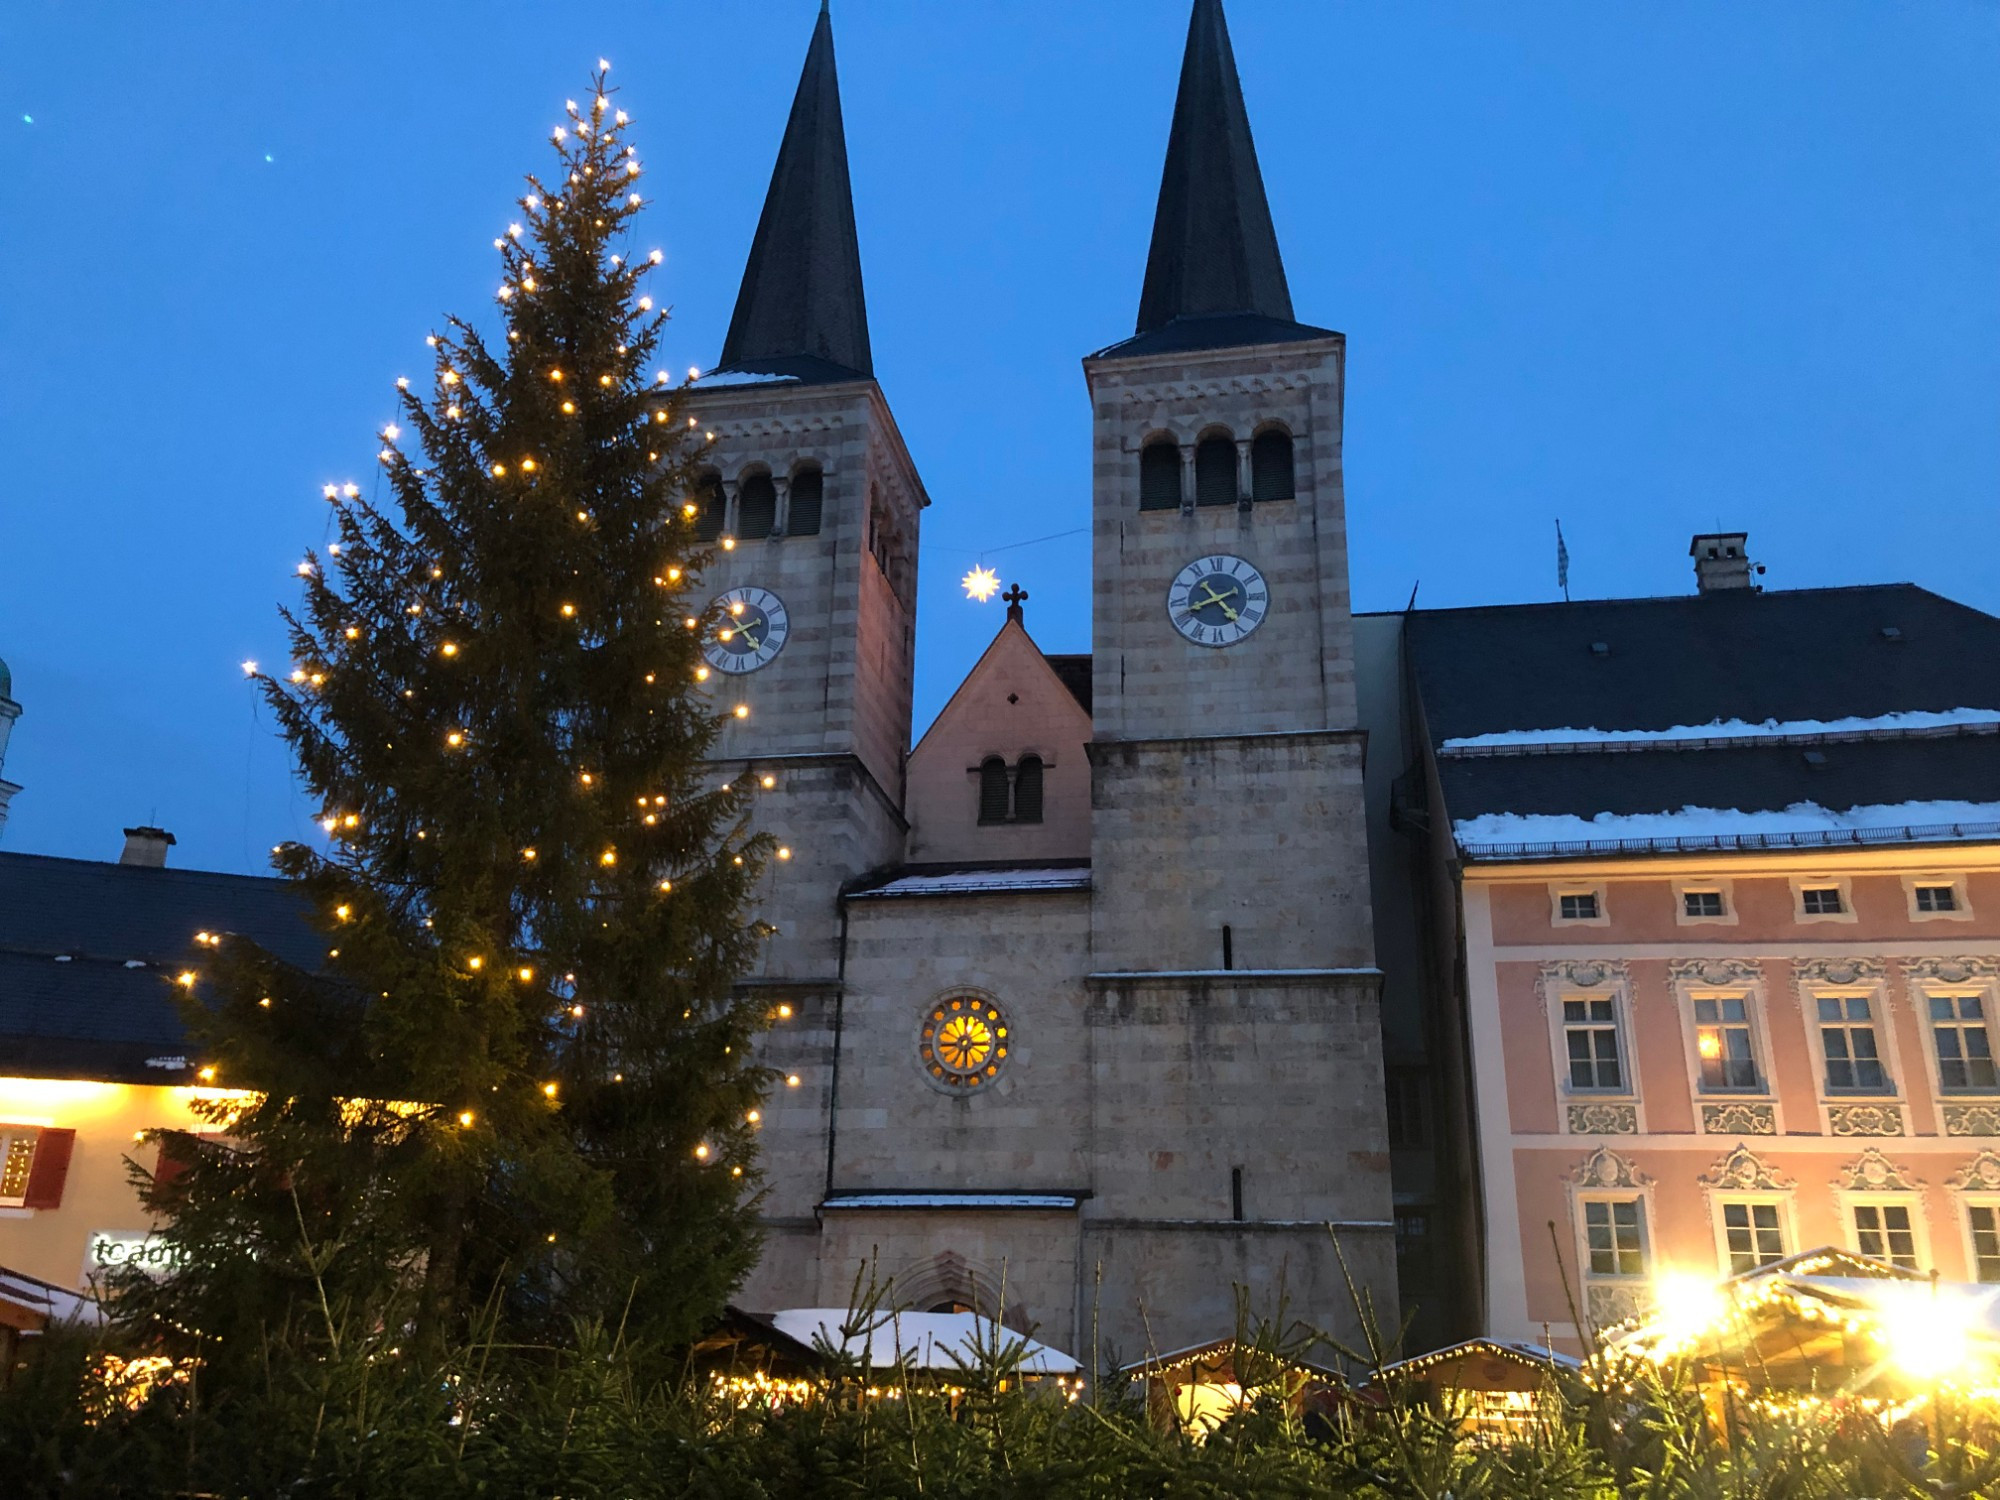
column 1216, row 599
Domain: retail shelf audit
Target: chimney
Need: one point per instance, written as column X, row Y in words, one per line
column 146, row 846
column 1722, row 562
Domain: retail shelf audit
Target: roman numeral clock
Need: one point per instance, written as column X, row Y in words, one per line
column 1217, row 600
column 754, row 629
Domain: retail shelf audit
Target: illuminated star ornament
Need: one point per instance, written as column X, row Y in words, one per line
column 981, row 584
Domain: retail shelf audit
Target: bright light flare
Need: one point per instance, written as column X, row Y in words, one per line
column 981, row 584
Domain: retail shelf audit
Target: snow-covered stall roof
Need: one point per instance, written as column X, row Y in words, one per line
column 1909, row 722
column 940, row 1342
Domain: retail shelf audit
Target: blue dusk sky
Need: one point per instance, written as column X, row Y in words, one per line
column 1649, row 269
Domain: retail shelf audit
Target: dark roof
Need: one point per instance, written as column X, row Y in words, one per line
column 1805, row 655
column 88, row 951
column 1739, row 654
column 801, row 294
column 1075, row 674
column 1214, row 248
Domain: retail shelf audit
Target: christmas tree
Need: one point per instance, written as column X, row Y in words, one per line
column 521, row 1086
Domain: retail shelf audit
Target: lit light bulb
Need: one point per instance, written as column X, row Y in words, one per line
column 608, row 857
column 791, row 1080
column 392, row 432
column 701, row 1152
column 249, row 669
column 754, row 1116
column 784, row 1012
column 569, row 611
column 351, row 491
column 331, row 491
column 465, row 1118
column 769, row 782
column 475, row 962
column 550, row 1090
column 700, row 675
column 526, row 973
column 528, row 854
column 784, row 853
column 742, row 710
column 666, row 885
column 448, row 649
column 454, row 739
column 981, row 584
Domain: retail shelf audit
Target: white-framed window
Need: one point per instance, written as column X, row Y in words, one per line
column 1699, row 903
column 1615, row 1242
column 1592, row 1044
column 1850, row 1044
column 1828, row 898
column 1937, row 898
column 1572, row 905
column 1724, row 1046
column 1754, row 1232
column 1886, row 1228
column 1982, row 1231
column 1961, row 1040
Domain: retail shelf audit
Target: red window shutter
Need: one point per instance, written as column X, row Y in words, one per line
column 51, row 1168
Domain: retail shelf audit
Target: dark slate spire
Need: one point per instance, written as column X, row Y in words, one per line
column 801, row 310
column 1215, row 253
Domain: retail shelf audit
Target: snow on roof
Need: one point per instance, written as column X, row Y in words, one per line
column 1726, row 729
column 944, row 1342
column 52, row 1303
column 1803, row 824
column 742, row 377
column 952, row 1200
column 969, row 882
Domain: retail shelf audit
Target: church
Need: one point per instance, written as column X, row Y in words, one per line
column 1076, row 1006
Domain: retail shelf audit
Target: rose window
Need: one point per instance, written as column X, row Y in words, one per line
column 964, row 1042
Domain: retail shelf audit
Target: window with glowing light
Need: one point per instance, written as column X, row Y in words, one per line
column 1883, row 1231
column 1964, row 1046
column 17, row 1163
column 1614, row 1231
column 963, row 1043
column 1754, row 1234
column 1722, row 1045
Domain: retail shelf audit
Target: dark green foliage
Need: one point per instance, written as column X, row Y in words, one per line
column 534, row 891
column 593, row 1418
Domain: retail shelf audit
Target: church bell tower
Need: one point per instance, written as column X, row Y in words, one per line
column 812, row 502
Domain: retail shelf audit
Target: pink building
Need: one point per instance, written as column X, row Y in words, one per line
column 1713, row 899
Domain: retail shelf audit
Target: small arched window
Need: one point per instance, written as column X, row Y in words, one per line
column 1160, row 475
column 708, row 497
column 1028, row 790
column 756, row 505
column 808, row 490
column 993, row 790
column 1215, row 472
column 1271, row 466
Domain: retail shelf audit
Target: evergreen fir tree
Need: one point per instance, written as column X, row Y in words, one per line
column 522, row 1081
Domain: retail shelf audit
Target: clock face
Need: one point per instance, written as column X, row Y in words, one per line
column 753, row 630
column 1217, row 600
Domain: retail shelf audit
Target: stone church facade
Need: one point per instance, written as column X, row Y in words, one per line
column 1075, row 1004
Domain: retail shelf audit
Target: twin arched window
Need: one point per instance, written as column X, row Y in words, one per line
column 1015, row 798
column 1215, row 472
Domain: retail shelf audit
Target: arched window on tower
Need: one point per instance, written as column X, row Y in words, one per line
column 1160, row 475
column 708, row 497
column 1028, row 790
column 1215, row 471
column 1271, row 465
column 756, row 505
column 993, row 790
column 808, row 490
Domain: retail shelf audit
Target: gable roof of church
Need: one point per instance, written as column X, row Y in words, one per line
column 801, row 311
column 1214, row 277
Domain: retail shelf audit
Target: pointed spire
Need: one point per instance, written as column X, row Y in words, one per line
column 801, row 310
column 1214, row 249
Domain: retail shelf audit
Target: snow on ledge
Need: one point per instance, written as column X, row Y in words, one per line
column 952, row 1200
column 944, row 1342
column 972, row 882
column 1803, row 824
column 1728, row 729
